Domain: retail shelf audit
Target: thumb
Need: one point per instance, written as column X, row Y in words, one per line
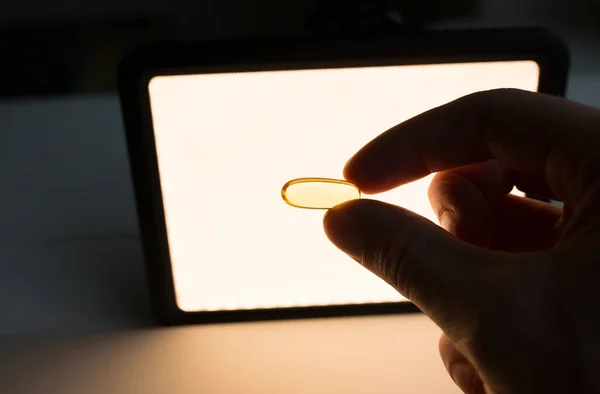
column 443, row 276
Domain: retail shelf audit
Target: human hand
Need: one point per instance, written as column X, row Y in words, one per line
column 513, row 281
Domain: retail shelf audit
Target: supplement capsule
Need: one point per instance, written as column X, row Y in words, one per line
column 318, row 193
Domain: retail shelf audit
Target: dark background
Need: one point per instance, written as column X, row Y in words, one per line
column 61, row 47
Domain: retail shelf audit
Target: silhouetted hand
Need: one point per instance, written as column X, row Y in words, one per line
column 513, row 282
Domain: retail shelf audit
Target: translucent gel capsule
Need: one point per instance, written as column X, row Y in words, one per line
column 318, row 193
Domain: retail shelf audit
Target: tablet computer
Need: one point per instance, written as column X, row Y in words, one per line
column 215, row 129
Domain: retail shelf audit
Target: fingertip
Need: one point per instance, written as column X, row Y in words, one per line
column 343, row 230
column 460, row 369
column 349, row 170
column 360, row 173
column 354, row 225
column 389, row 160
column 369, row 170
column 447, row 219
column 466, row 378
column 449, row 353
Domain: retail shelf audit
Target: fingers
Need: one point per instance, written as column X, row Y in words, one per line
column 465, row 200
column 441, row 275
column 537, row 135
column 473, row 204
column 460, row 369
column 526, row 225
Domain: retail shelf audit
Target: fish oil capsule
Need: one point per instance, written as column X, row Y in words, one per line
column 318, row 193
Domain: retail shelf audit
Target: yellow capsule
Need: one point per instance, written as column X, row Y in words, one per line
column 318, row 193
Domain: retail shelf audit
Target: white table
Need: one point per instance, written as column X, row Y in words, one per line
column 384, row 355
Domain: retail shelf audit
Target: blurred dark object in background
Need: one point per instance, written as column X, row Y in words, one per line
column 60, row 58
column 68, row 58
column 369, row 17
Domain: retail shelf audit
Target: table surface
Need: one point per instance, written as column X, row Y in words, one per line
column 390, row 354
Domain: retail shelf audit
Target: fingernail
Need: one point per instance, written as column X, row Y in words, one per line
column 343, row 230
column 464, row 377
column 446, row 219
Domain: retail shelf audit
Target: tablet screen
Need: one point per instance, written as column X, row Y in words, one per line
column 226, row 144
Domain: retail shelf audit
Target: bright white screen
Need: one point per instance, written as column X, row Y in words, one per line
column 227, row 143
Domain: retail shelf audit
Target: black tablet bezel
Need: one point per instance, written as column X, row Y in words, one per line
column 148, row 61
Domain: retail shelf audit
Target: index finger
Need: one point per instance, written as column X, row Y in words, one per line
column 535, row 134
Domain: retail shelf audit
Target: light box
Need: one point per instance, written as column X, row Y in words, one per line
column 216, row 129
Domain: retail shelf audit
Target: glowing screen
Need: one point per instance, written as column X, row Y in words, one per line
column 228, row 142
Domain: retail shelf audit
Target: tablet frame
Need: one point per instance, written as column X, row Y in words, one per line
column 177, row 58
